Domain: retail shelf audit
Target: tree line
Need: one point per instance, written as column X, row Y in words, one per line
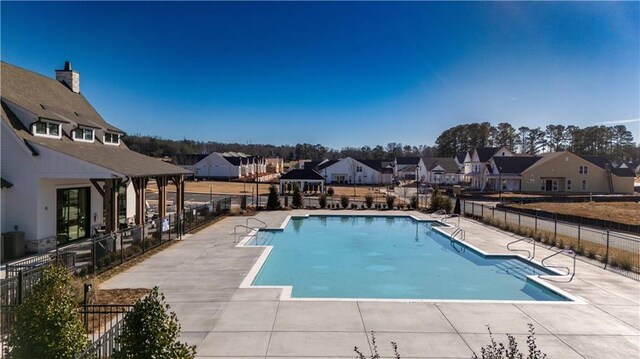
column 615, row 142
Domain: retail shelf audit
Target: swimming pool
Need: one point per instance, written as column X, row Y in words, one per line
column 389, row 258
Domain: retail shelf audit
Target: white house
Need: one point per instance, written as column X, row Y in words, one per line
column 410, row 168
column 349, row 171
column 476, row 162
column 228, row 165
column 307, row 181
column 65, row 170
column 442, row 170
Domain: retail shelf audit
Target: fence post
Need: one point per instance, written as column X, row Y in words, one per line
column 493, row 212
column 482, row 210
column 535, row 226
column 578, row 233
column 122, row 248
column 93, row 254
column 20, row 281
column 473, row 208
column 606, row 255
column 519, row 219
column 555, row 227
column 505, row 215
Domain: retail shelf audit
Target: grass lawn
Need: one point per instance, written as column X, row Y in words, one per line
column 622, row 212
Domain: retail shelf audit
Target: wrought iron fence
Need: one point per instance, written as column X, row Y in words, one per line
column 617, row 251
column 199, row 216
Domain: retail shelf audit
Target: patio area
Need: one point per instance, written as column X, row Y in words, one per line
column 201, row 278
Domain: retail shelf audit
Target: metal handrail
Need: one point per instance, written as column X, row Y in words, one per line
column 463, row 234
column 530, row 255
column 257, row 220
column 235, row 231
column 568, row 271
column 440, row 212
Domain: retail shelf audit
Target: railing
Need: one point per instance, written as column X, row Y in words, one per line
column 569, row 273
column 246, row 232
column 615, row 250
column 530, row 254
column 263, row 224
column 197, row 217
column 105, row 345
column 98, row 319
column 461, row 232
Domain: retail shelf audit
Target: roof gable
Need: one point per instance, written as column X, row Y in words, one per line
column 301, row 174
column 514, row 165
column 408, row 160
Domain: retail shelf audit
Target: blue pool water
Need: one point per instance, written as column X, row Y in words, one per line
column 388, row 258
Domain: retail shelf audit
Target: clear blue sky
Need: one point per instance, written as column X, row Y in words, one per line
column 340, row 74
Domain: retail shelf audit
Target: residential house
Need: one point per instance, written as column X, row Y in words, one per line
column 410, row 169
column 349, row 171
column 442, row 171
column 65, row 170
column 566, row 172
column 476, row 162
column 504, row 173
column 227, row 165
column 274, row 165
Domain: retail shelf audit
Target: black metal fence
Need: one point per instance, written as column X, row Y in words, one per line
column 12, row 292
column 103, row 323
column 199, row 216
column 614, row 249
column 594, row 222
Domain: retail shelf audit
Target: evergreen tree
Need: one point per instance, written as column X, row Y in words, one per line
column 296, row 200
column 273, row 202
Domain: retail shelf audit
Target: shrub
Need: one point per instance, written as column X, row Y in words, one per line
column 625, row 263
column 273, row 202
column 414, row 202
column 47, row 323
column 322, row 201
column 344, row 201
column 591, row 253
column 374, row 347
column 354, row 206
column 613, row 261
column 390, row 201
column 296, row 200
column 368, row 200
column 560, row 244
column 434, row 205
column 496, row 350
column 362, row 206
column 151, row 331
column 330, row 191
column 456, row 208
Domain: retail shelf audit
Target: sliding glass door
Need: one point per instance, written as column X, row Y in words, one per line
column 73, row 216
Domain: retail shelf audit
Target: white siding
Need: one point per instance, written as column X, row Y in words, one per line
column 215, row 165
column 346, row 167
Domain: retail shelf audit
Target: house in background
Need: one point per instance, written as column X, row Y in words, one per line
column 476, row 162
column 567, row 172
column 504, row 173
column 354, row 171
column 442, row 170
column 274, row 165
column 410, row 169
column 227, row 165
column 65, row 170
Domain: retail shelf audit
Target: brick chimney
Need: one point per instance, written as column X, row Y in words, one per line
column 70, row 78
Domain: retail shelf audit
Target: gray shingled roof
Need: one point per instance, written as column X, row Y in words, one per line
column 47, row 98
column 485, row 153
column 449, row 164
column 514, row 165
column 408, row 160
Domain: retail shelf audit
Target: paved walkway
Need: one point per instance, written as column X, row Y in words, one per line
column 201, row 276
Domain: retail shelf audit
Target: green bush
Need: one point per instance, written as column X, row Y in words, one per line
column 330, row 191
column 296, row 200
column 47, row 323
column 434, row 205
column 414, row 202
column 344, row 201
column 368, row 200
column 273, row 201
column 322, row 201
column 151, row 331
column 390, row 201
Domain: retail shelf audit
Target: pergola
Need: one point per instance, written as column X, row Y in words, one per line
column 306, row 180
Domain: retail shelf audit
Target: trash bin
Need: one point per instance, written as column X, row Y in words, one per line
column 13, row 245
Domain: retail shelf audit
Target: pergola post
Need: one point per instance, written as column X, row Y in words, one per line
column 161, row 181
column 139, row 185
column 110, row 204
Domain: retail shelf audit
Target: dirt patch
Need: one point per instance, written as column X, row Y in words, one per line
column 621, row 212
column 120, row 296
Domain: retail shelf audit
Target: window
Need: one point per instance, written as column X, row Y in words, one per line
column 583, row 170
column 358, row 168
column 569, row 184
column 111, row 138
column 47, row 129
column 584, row 185
column 83, row 134
column 504, row 185
column 555, row 185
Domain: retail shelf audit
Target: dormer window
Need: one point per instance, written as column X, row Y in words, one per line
column 112, row 138
column 49, row 129
column 83, row 134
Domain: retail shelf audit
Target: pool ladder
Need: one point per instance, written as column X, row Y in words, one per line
column 530, row 254
column 463, row 237
column 248, row 228
column 569, row 273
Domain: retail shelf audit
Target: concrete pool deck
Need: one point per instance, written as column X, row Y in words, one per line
column 201, row 278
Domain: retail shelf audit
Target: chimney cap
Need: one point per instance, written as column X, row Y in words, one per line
column 67, row 66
